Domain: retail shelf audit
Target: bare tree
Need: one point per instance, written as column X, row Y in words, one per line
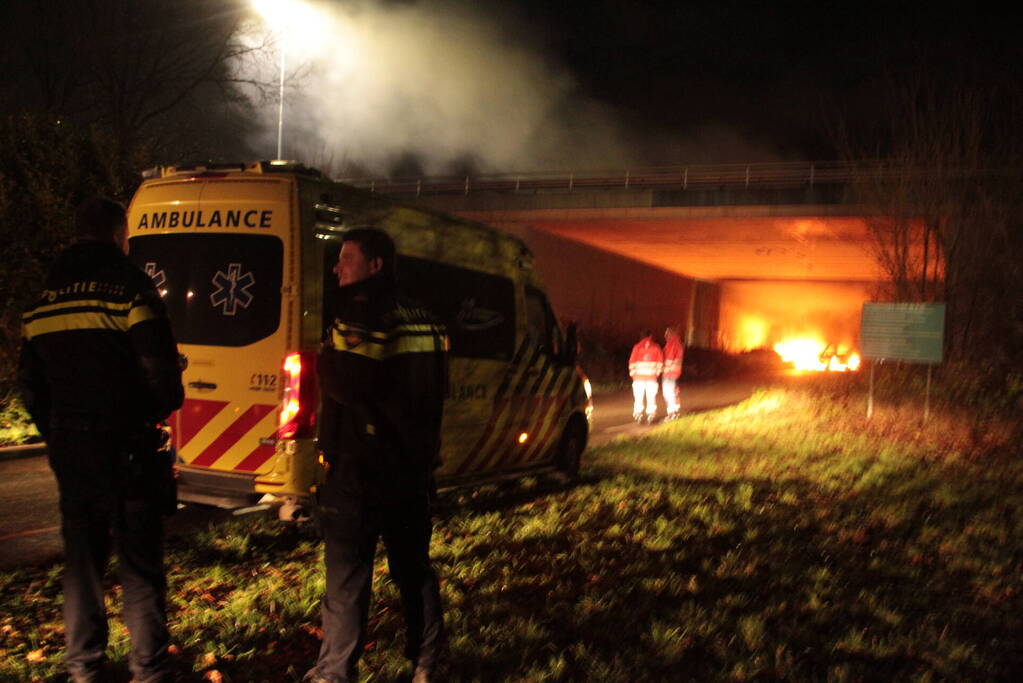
column 93, row 91
column 947, row 221
column 135, row 68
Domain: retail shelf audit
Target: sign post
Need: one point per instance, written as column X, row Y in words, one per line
column 902, row 331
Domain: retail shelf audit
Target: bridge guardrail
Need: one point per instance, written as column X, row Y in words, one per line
column 763, row 175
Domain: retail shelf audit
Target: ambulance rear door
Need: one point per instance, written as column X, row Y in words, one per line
column 221, row 250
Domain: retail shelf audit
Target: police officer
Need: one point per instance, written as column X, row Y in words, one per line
column 383, row 376
column 98, row 370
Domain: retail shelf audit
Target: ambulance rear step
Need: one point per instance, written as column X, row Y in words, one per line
column 219, row 489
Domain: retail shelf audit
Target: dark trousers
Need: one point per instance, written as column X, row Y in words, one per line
column 100, row 504
column 352, row 520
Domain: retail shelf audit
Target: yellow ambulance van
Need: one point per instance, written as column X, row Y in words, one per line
column 242, row 255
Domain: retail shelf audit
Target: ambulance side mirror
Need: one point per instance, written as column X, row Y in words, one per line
column 570, row 351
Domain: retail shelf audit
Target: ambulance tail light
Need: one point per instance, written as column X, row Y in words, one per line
column 298, row 404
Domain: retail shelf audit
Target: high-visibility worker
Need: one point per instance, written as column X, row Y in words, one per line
column 673, row 352
column 645, row 366
column 383, row 378
column 99, row 369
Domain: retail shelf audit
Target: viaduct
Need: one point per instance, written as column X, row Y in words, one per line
column 737, row 256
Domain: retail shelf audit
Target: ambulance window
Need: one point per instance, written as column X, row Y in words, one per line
column 220, row 290
column 541, row 326
column 477, row 309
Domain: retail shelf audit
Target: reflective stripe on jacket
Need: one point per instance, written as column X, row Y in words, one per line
column 646, row 360
column 673, row 352
column 383, row 377
column 98, row 347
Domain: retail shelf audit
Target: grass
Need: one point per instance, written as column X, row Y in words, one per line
column 16, row 426
column 780, row 539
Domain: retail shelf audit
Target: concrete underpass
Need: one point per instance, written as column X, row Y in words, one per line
column 735, row 264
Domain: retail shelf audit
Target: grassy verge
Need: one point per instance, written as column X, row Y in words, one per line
column 778, row 539
column 15, row 424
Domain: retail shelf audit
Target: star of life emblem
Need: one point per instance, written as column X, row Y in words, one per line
column 158, row 276
column 232, row 289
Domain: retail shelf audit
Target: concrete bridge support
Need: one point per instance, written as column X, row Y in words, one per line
column 612, row 297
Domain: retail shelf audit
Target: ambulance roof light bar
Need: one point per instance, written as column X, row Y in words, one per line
column 210, row 169
column 287, row 166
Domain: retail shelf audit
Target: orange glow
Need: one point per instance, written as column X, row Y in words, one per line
column 811, row 354
column 757, row 315
column 804, row 353
column 523, row 437
column 751, row 333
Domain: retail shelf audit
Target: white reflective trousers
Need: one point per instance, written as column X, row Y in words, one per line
column 644, row 389
column 669, row 389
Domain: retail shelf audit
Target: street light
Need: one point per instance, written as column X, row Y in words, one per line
column 291, row 19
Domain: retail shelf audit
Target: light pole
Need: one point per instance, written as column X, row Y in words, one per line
column 286, row 17
column 280, row 107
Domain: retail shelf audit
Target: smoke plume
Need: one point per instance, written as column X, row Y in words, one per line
column 447, row 87
column 432, row 88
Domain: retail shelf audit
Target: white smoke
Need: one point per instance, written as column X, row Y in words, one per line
column 367, row 84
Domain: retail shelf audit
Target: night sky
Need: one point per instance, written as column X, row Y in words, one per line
column 455, row 86
column 778, row 74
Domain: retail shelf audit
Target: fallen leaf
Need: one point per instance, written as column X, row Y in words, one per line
column 314, row 631
column 35, row 656
column 214, row 676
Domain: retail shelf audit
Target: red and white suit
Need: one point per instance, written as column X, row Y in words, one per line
column 645, row 366
column 673, row 352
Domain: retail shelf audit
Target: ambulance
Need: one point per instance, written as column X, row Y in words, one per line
column 242, row 256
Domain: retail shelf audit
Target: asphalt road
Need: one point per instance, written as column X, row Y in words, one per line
column 612, row 413
column 30, row 522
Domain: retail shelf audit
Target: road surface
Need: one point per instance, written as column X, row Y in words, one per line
column 29, row 520
column 612, row 413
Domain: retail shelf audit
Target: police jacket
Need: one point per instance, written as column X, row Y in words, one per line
column 383, row 377
column 646, row 360
column 673, row 352
column 97, row 349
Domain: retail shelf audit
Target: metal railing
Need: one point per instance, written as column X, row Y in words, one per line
column 706, row 176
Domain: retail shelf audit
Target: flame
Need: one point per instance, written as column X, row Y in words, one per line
column 814, row 355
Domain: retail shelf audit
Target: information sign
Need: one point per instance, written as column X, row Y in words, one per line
column 903, row 331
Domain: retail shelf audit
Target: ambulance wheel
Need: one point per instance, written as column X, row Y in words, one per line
column 570, row 450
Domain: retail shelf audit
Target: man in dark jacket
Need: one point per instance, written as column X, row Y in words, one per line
column 383, row 377
column 98, row 371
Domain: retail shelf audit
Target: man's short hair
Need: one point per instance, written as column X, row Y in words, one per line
column 99, row 219
column 644, row 333
column 374, row 244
